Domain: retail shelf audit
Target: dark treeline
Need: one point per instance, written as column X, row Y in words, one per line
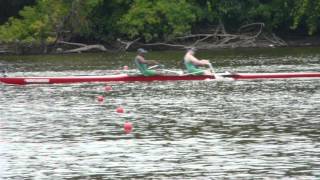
column 46, row 21
column 10, row 8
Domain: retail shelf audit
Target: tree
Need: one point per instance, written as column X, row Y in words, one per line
column 231, row 13
column 149, row 20
column 157, row 19
column 78, row 21
column 280, row 15
column 47, row 20
column 36, row 24
column 306, row 13
column 105, row 17
column 10, row 8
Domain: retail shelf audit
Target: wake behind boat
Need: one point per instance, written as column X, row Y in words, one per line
column 141, row 78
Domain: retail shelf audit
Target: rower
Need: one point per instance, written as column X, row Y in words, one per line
column 192, row 63
column 142, row 63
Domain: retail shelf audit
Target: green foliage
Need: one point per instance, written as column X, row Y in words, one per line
column 306, row 12
column 104, row 19
column 79, row 21
column 40, row 22
column 151, row 20
column 231, row 13
column 36, row 23
column 157, row 19
column 274, row 13
column 9, row 8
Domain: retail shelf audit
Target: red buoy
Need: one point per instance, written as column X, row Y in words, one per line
column 108, row 88
column 127, row 127
column 120, row 110
column 100, row 98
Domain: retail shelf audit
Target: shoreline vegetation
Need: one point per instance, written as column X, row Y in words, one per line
column 58, row 26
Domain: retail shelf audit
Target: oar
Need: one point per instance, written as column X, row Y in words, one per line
column 155, row 66
column 193, row 73
column 175, row 72
column 213, row 72
column 165, row 70
column 211, row 68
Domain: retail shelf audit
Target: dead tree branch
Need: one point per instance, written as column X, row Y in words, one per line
column 83, row 47
column 127, row 44
column 71, row 43
column 275, row 39
column 166, row 44
column 249, row 35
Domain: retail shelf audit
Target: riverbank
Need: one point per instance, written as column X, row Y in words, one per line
column 303, row 41
column 116, row 46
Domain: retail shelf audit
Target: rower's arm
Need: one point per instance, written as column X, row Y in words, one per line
column 150, row 62
column 196, row 61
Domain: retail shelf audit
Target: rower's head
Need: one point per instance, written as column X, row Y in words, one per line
column 141, row 51
column 192, row 50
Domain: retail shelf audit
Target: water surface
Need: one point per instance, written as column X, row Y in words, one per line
column 182, row 130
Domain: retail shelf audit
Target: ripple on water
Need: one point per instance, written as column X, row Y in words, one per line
column 225, row 129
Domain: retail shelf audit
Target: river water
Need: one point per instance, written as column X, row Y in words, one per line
column 259, row 129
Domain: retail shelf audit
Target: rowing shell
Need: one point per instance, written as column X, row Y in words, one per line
column 137, row 78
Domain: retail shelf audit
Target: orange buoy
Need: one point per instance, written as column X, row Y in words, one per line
column 127, row 127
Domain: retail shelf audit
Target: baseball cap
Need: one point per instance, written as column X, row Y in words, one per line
column 141, row 50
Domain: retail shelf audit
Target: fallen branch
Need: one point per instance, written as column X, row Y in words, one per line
column 5, row 50
column 279, row 40
column 127, row 44
column 166, row 44
column 275, row 40
column 202, row 39
column 86, row 48
column 248, row 35
column 83, row 47
column 250, row 26
column 71, row 43
column 193, row 36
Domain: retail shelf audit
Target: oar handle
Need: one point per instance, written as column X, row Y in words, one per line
column 155, row 66
column 152, row 67
column 217, row 76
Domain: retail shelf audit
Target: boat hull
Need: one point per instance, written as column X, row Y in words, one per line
column 88, row 79
column 248, row 76
column 137, row 78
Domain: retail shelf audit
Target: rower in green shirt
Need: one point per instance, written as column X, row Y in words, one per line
column 192, row 63
column 142, row 63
